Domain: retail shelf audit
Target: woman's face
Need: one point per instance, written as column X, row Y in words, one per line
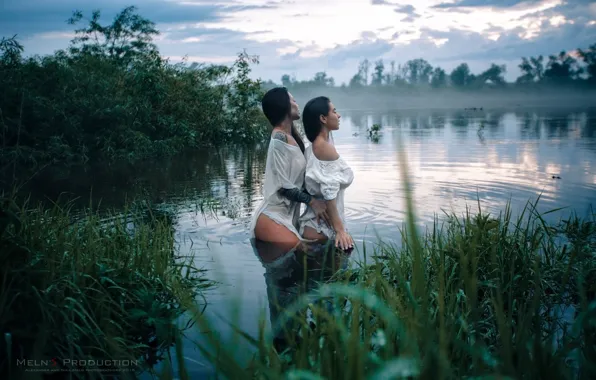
column 332, row 118
column 294, row 110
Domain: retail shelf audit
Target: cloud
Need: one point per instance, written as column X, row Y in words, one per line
column 510, row 46
column 407, row 9
column 408, row 19
column 486, row 3
column 30, row 17
column 295, row 37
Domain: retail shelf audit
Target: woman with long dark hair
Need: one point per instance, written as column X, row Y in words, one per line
column 276, row 219
column 327, row 174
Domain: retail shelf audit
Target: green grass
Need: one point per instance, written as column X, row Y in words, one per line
column 79, row 286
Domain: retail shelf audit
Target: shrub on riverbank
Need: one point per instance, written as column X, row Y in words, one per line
column 111, row 96
column 78, row 288
column 483, row 297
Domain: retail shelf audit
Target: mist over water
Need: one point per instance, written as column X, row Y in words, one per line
column 381, row 99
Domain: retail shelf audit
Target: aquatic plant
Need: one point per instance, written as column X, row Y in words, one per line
column 89, row 295
column 374, row 132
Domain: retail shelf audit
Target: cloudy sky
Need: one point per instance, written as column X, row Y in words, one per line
column 302, row 37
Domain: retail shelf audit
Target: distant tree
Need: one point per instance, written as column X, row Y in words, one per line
column 10, row 51
column 418, row 71
column 390, row 77
column 589, row 59
column 562, row 68
column 356, row 81
column 321, row 79
column 129, row 37
column 461, row 76
column 377, row 78
column 363, row 70
column 286, row 81
column 439, row 78
column 401, row 75
column 495, row 74
column 361, row 77
column 532, row 69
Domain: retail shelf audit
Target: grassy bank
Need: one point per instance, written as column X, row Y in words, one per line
column 76, row 288
column 110, row 95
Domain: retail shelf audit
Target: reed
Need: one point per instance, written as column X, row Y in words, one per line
column 80, row 286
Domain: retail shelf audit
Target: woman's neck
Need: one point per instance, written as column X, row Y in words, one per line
column 324, row 134
column 285, row 126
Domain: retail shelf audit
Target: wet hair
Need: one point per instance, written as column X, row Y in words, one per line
column 276, row 107
column 311, row 116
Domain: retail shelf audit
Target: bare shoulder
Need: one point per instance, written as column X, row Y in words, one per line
column 324, row 151
column 283, row 137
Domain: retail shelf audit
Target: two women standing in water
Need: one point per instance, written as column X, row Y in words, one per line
column 316, row 176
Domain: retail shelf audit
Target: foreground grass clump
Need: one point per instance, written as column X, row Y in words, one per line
column 111, row 95
column 480, row 296
column 78, row 288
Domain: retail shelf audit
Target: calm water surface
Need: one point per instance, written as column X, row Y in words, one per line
column 453, row 157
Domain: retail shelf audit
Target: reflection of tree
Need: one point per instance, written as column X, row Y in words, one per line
column 358, row 119
column 588, row 128
column 413, row 122
column 437, row 120
column 395, row 119
column 189, row 178
column 556, row 124
column 493, row 122
column 460, row 122
column 530, row 125
column 253, row 171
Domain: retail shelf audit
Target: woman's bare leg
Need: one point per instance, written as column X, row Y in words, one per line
column 312, row 234
column 276, row 235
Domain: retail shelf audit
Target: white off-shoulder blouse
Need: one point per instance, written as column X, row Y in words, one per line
column 285, row 168
column 327, row 180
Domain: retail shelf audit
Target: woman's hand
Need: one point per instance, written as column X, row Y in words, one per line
column 343, row 240
column 320, row 209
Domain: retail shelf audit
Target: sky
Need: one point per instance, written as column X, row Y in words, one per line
column 302, row 37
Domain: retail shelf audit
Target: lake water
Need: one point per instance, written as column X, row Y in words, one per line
column 454, row 157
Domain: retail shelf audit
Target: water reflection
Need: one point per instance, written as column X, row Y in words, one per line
column 453, row 156
column 288, row 275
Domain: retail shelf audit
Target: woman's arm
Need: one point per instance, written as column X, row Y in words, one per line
column 296, row 195
column 326, row 152
column 343, row 240
column 335, row 220
column 318, row 206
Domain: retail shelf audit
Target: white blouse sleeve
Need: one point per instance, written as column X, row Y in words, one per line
column 330, row 175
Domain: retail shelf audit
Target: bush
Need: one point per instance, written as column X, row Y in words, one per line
column 115, row 97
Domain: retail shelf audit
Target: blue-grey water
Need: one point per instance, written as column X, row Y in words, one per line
column 453, row 157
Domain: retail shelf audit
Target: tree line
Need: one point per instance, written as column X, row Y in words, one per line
column 566, row 68
column 110, row 95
